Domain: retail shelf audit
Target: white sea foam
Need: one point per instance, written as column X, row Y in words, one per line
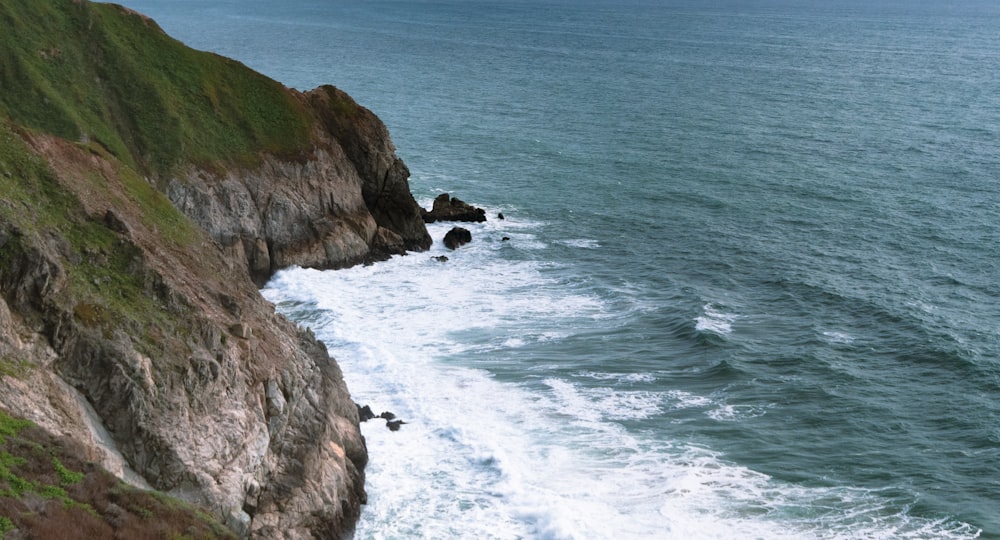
column 584, row 243
column 838, row 337
column 686, row 400
column 482, row 458
column 600, row 404
column 715, row 408
column 715, row 320
column 620, row 378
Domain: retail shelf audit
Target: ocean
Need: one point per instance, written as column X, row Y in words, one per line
column 747, row 284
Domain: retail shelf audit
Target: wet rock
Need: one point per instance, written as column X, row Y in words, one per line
column 365, row 413
column 456, row 237
column 447, row 208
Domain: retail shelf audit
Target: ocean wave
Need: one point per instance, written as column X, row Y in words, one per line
column 489, row 459
column 604, row 404
column 583, row 243
column 620, row 378
column 715, row 319
column 839, row 338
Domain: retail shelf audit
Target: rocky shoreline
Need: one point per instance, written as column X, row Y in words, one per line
column 130, row 319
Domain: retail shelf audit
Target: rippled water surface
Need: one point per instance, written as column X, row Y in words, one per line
column 751, row 286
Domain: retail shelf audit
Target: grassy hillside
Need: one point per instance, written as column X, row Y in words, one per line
column 48, row 491
column 130, row 102
column 107, row 285
column 98, row 73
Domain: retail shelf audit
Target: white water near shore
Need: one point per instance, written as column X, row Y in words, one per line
column 543, row 457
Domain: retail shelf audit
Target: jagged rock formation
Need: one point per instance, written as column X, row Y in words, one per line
column 448, row 208
column 346, row 202
column 147, row 189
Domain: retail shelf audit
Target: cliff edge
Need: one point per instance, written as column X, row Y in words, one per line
column 147, row 190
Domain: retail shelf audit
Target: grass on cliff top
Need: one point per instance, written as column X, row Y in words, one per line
column 98, row 72
column 47, row 490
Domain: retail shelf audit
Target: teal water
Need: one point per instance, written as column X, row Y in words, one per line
column 751, row 287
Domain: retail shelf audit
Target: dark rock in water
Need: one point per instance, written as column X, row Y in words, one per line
column 365, row 413
column 387, row 415
column 500, row 215
column 456, row 237
column 505, row 238
column 440, row 258
column 447, row 208
column 393, row 425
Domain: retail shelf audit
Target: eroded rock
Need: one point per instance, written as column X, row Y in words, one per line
column 457, row 237
column 447, row 208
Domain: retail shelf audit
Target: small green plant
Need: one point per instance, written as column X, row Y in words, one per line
column 6, row 525
column 17, row 485
column 17, row 369
column 66, row 476
column 10, row 427
column 52, row 492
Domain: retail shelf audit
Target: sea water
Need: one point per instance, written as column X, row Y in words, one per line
column 747, row 285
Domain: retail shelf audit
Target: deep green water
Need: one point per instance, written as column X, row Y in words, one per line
column 751, row 287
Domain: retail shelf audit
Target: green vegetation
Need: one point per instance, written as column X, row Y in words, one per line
column 99, row 73
column 47, row 491
column 16, row 485
column 10, row 427
column 126, row 95
column 106, row 283
column 66, row 476
column 129, row 105
column 17, row 369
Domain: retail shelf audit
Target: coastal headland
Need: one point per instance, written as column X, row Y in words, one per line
column 148, row 190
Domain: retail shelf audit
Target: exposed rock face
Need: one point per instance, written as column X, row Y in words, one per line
column 366, row 142
column 447, row 208
column 347, row 202
column 256, row 424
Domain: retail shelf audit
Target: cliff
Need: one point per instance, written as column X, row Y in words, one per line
column 147, row 189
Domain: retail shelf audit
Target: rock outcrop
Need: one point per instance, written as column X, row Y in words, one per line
column 457, row 237
column 447, row 208
column 347, row 201
column 133, row 234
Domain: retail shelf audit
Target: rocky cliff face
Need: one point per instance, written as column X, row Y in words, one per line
column 130, row 320
column 346, row 201
column 211, row 397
